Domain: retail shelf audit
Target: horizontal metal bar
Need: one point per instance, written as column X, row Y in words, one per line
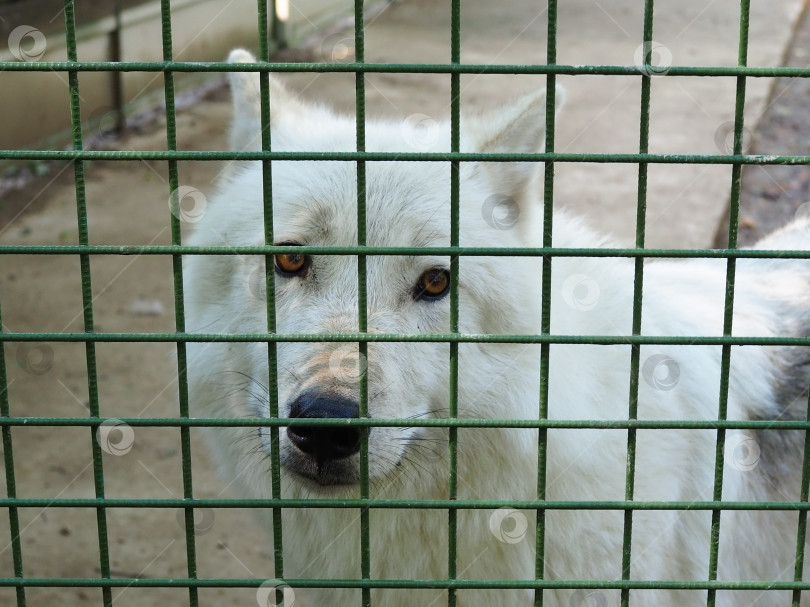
column 402, row 68
column 401, row 504
column 371, row 422
column 405, row 251
column 122, row 155
column 599, row 340
column 403, row 584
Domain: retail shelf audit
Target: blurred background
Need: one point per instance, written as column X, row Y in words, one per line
column 127, row 203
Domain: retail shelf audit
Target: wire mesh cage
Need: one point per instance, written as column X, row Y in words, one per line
column 97, row 425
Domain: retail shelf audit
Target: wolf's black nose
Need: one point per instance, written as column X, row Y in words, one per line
column 325, row 443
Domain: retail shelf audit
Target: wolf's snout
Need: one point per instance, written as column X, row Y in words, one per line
column 325, row 443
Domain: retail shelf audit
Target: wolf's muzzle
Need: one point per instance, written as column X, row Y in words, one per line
column 325, row 443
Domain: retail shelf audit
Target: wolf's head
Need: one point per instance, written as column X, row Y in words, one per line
column 407, row 204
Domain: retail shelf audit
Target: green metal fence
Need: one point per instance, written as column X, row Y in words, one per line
column 106, row 581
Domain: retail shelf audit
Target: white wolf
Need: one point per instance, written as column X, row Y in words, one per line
column 315, row 203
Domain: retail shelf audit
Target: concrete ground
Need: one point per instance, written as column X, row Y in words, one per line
column 127, row 204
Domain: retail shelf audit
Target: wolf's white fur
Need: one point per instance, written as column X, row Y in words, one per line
column 408, row 204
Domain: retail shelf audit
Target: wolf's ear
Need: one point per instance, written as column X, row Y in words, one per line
column 246, row 126
column 518, row 127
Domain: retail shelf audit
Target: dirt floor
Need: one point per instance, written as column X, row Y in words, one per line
column 772, row 195
column 127, row 204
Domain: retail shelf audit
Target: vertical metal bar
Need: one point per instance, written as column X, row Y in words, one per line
column 801, row 535
column 731, row 267
column 87, row 298
column 455, row 146
column 11, row 483
column 270, row 286
column 179, row 300
column 638, row 290
column 362, row 309
column 545, row 310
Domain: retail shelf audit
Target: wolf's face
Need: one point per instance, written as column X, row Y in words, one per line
column 407, row 204
column 319, row 294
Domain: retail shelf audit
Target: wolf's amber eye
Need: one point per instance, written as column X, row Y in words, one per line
column 291, row 264
column 433, row 284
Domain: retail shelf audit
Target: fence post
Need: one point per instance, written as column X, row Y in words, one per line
column 117, row 83
column 278, row 26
